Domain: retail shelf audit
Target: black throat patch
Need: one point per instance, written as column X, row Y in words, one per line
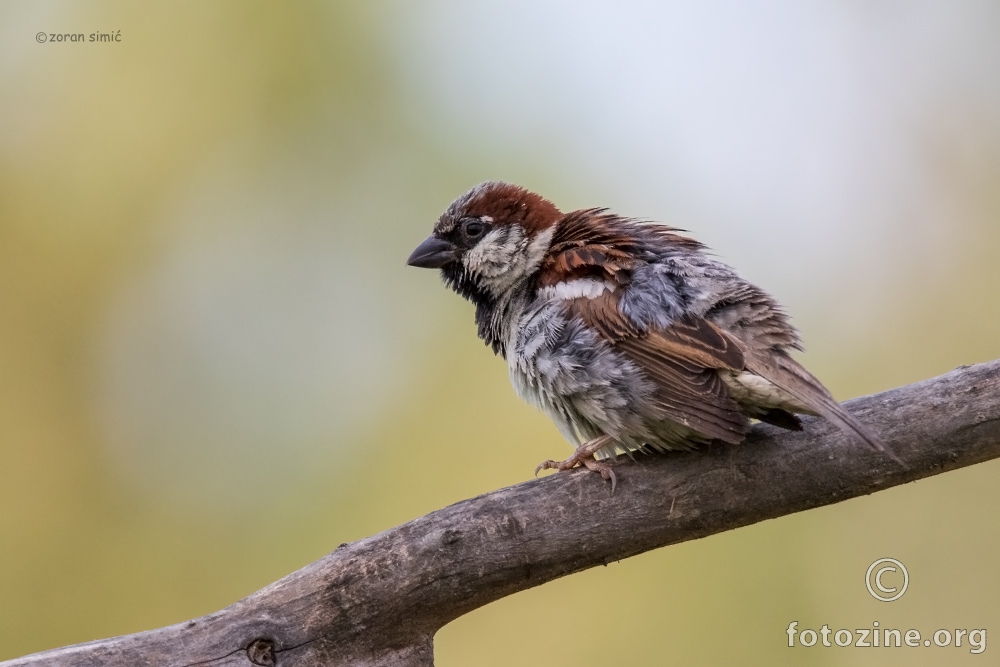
column 492, row 313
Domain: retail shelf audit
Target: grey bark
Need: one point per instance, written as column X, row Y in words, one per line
column 380, row 600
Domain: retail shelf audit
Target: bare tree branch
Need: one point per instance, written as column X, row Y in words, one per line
column 380, row 600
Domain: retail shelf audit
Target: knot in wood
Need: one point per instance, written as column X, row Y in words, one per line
column 261, row 652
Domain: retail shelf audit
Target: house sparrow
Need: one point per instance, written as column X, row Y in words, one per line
column 626, row 333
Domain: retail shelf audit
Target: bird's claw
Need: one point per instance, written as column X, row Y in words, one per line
column 568, row 464
column 607, row 472
column 584, row 455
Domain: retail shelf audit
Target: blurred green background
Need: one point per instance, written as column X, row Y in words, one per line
column 214, row 366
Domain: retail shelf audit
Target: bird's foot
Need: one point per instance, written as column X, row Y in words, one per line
column 584, row 455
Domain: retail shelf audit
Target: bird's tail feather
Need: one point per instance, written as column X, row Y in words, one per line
column 788, row 375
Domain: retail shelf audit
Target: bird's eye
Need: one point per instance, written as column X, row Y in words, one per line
column 473, row 229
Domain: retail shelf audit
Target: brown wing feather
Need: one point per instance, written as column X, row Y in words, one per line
column 683, row 361
column 589, row 260
column 595, row 226
column 593, row 243
column 687, row 392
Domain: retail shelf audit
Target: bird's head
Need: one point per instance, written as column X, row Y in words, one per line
column 490, row 240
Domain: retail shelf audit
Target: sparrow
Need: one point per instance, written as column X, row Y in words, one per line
column 626, row 332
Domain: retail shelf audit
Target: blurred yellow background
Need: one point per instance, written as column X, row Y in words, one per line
column 215, row 368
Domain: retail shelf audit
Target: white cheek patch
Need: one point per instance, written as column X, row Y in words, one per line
column 587, row 288
column 494, row 253
column 506, row 256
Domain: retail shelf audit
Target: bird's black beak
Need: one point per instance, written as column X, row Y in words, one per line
column 433, row 253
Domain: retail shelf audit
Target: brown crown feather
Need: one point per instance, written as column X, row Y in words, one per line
column 505, row 203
